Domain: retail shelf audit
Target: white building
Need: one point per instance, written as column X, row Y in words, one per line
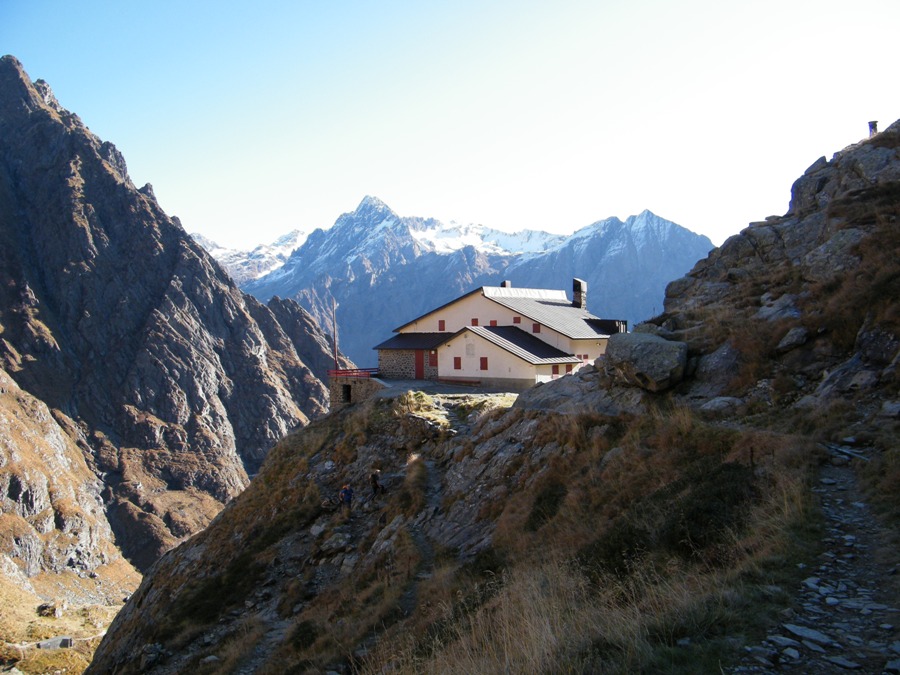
column 499, row 336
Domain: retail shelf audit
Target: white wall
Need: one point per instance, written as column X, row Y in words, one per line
column 470, row 348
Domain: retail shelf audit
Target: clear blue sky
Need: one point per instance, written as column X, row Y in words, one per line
column 252, row 119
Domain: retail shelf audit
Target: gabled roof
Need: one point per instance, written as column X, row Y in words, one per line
column 519, row 343
column 550, row 308
column 415, row 341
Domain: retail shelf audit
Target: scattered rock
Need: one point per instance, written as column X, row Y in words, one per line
column 722, row 405
column 808, row 634
column 794, row 338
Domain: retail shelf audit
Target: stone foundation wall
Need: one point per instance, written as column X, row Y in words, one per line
column 397, row 364
column 400, row 364
column 355, row 389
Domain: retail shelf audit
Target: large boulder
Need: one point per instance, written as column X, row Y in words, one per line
column 644, row 360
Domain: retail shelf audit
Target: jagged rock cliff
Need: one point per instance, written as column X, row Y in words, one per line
column 670, row 491
column 150, row 387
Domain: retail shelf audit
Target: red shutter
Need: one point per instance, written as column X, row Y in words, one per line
column 484, row 363
column 432, row 359
column 442, row 325
column 493, row 322
column 457, row 363
column 556, row 369
column 568, row 367
column 474, row 322
column 517, row 319
column 535, row 328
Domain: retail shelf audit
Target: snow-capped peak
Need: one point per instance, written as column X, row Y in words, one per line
column 245, row 266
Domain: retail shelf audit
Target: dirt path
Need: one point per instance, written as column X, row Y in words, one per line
column 423, row 543
column 845, row 616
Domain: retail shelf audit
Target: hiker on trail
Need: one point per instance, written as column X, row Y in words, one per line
column 346, row 498
column 376, row 483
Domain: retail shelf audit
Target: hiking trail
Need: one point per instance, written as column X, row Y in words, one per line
column 845, row 615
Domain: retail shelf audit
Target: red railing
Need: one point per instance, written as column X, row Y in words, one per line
column 354, row 372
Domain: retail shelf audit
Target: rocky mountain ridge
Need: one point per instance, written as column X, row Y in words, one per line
column 370, row 260
column 673, row 486
column 139, row 387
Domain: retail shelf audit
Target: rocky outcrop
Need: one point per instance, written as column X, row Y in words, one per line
column 809, row 295
column 174, row 384
column 646, row 361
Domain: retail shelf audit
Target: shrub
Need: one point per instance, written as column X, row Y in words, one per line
column 546, row 504
column 303, row 635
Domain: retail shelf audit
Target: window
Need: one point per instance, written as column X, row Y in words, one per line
column 474, row 322
column 432, row 358
column 556, row 370
column 484, row 363
column 442, row 325
column 568, row 367
column 493, row 322
column 535, row 328
column 517, row 319
column 457, row 363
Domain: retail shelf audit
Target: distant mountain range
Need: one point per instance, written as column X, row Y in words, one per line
column 380, row 269
column 245, row 266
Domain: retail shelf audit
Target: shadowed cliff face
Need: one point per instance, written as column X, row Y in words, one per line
column 176, row 382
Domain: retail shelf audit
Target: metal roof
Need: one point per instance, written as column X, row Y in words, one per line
column 415, row 341
column 519, row 343
column 551, row 308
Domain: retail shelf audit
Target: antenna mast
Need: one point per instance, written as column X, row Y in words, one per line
column 334, row 331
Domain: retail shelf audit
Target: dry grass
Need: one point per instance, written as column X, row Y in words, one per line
column 870, row 292
column 668, row 539
column 881, row 476
column 553, row 618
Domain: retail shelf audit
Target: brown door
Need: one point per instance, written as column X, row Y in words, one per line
column 420, row 364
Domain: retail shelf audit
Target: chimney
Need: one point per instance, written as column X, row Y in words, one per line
column 873, row 128
column 506, row 284
column 579, row 293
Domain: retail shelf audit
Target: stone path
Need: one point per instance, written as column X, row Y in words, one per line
column 846, row 616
